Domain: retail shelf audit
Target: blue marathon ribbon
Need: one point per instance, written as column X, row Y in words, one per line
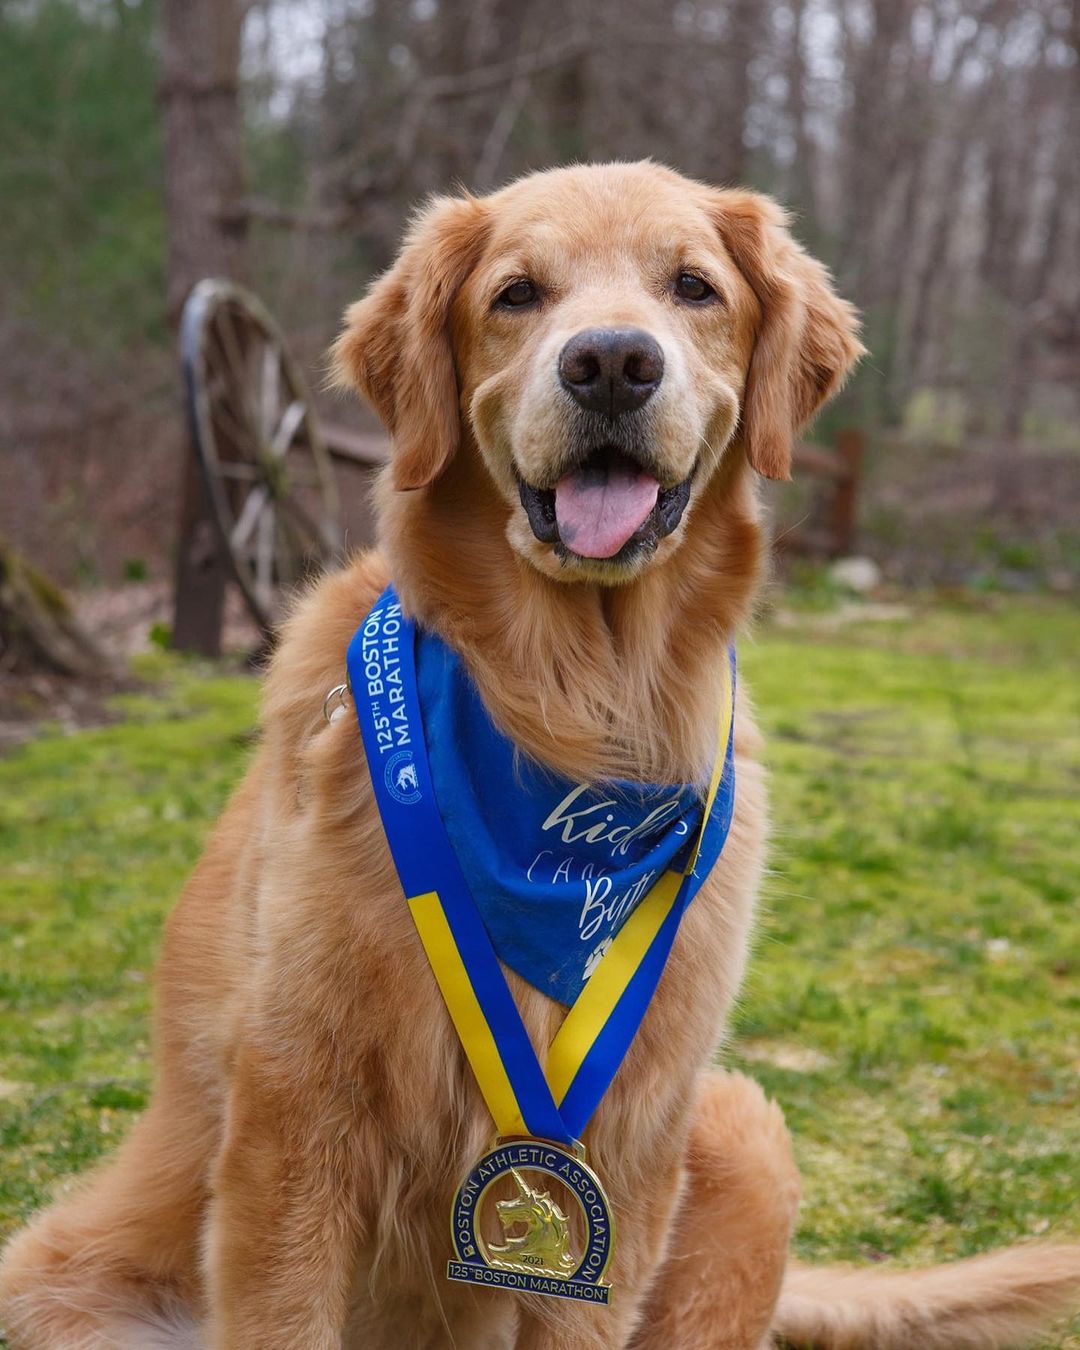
column 679, row 842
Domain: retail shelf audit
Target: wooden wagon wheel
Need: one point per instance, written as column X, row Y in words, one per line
column 267, row 473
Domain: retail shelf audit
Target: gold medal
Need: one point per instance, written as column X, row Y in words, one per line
column 537, row 1251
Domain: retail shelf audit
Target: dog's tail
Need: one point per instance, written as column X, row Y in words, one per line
column 993, row 1302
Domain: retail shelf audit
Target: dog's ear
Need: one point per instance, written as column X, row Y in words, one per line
column 807, row 340
column 396, row 348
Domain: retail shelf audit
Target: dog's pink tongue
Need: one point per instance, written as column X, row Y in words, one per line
column 597, row 510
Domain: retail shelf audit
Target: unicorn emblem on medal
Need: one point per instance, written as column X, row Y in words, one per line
column 544, row 1247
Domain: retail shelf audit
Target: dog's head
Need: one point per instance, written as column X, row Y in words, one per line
column 604, row 336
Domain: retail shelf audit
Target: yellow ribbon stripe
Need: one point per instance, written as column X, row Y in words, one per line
column 466, row 1013
column 723, row 735
column 617, row 967
column 596, row 1002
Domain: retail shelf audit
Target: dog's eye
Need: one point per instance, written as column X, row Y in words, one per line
column 689, row 286
column 517, row 294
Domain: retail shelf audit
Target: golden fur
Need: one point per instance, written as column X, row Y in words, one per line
column 290, row 1182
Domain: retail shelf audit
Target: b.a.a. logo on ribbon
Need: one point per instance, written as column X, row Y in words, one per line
column 551, row 1230
column 401, row 778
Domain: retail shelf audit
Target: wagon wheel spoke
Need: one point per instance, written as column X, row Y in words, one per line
column 233, row 351
column 219, row 390
column 301, row 517
column 238, row 433
column 299, row 555
column 251, row 512
column 264, row 559
column 306, row 465
column 270, row 391
column 325, row 536
column 233, row 420
column 244, row 473
column 293, row 415
column 223, row 335
column 305, row 479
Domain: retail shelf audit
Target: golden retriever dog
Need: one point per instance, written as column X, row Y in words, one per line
column 582, row 375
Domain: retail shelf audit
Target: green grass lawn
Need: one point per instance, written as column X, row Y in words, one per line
column 914, row 1002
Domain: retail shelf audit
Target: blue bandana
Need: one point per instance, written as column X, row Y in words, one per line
column 555, row 867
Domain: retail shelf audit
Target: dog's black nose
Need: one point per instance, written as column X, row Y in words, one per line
column 611, row 370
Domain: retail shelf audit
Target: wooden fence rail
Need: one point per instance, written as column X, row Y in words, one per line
column 367, row 449
column 830, row 530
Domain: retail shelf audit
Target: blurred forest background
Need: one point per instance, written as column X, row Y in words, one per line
column 929, row 148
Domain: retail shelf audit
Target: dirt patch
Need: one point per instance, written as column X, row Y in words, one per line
column 27, row 702
column 125, row 621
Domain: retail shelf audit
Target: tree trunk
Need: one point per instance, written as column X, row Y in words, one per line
column 804, row 171
column 207, row 233
column 204, row 178
column 745, row 19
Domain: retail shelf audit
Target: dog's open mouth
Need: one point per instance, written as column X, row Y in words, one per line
column 606, row 507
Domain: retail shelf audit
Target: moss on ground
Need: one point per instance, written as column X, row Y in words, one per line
column 914, row 1002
